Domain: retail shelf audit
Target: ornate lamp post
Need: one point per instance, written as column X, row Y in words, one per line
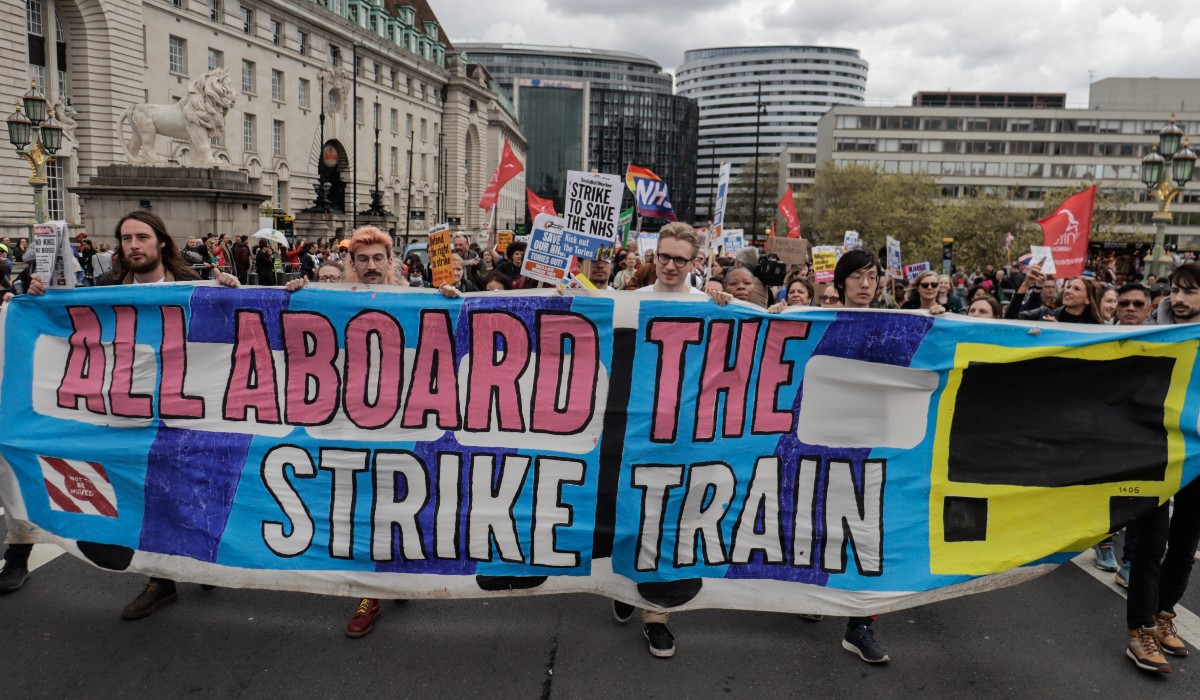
column 1169, row 159
column 45, row 143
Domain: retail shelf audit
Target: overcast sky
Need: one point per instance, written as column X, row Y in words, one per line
column 980, row 45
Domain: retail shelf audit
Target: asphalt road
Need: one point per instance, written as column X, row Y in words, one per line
column 1061, row 636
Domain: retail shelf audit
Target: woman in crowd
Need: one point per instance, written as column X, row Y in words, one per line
column 924, row 294
column 740, row 282
column 330, row 271
column 264, row 264
column 799, row 292
column 1080, row 304
column 461, row 283
column 625, row 264
column 1108, row 303
column 977, row 292
column 496, row 282
column 984, row 307
column 714, row 284
column 829, row 298
column 416, row 275
column 946, row 296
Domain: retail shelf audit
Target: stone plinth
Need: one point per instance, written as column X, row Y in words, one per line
column 193, row 202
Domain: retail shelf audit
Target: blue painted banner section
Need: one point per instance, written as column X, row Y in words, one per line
column 839, row 463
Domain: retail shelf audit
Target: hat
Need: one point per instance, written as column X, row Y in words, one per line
column 3, row 247
column 82, row 235
column 345, row 243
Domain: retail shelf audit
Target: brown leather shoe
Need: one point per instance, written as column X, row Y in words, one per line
column 157, row 593
column 1166, row 636
column 364, row 618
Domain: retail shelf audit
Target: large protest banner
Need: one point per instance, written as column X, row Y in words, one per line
column 654, row 448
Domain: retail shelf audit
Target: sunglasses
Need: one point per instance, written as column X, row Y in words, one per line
column 929, row 285
column 1131, row 302
column 828, row 300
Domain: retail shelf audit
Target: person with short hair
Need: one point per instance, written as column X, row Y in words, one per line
column 985, row 307
column 1167, row 538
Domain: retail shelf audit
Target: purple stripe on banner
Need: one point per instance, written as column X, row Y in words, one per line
column 191, row 480
column 883, row 338
column 214, row 313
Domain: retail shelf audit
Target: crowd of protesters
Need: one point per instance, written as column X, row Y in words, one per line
column 1159, row 549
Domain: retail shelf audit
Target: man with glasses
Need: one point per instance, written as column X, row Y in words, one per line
column 1133, row 305
column 678, row 249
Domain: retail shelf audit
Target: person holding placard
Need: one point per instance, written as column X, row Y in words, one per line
column 924, row 294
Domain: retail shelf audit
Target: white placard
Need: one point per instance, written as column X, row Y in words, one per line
column 593, row 204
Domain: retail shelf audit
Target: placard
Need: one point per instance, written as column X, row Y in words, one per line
column 825, row 259
column 54, row 254
column 545, row 260
column 1043, row 254
column 593, row 204
column 793, row 251
column 503, row 238
column 894, row 267
column 911, row 272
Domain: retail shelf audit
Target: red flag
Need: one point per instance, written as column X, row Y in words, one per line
column 507, row 170
column 537, row 205
column 787, row 207
column 1067, row 230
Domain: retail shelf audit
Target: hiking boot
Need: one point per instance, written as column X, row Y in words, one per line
column 364, row 618
column 156, row 593
column 1105, row 559
column 1166, row 636
column 1144, row 651
column 1122, row 577
column 861, row 640
column 622, row 611
column 662, row 642
column 12, row 577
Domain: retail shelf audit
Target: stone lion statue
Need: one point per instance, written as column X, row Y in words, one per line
column 197, row 118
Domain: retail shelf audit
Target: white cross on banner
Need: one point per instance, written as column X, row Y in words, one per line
column 75, row 486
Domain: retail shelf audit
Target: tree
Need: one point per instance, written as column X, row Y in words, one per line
column 1108, row 219
column 875, row 204
column 739, row 207
column 980, row 225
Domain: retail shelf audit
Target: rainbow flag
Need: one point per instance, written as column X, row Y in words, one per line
column 649, row 193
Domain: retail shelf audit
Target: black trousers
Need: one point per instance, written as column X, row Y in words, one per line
column 1157, row 582
column 18, row 554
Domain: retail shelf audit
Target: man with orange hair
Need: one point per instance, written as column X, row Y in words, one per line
column 369, row 256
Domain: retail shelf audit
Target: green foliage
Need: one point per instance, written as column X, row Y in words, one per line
column 739, row 207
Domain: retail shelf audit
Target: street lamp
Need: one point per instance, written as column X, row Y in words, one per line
column 1169, row 159
column 758, row 112
column 33, row 115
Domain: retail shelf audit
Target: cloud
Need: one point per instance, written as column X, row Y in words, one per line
column 1018, row 45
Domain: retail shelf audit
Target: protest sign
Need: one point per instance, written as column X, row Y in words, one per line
column 593, row 204
column 825, row 259
column 718, row 218
column 1043, row 255
column 503, row 238
column 440, row 264
column 850, row 241
column 545, row 259
column 735, row 240
column 581, row 245
column 55, row 258
column 398, row 444
column 894, row 267
column 911, row 272
column 793, row 251
column 647, row 243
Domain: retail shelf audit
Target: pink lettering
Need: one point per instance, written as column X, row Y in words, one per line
column 172, row 402
column 434, row 385
column 252, row 379
column 495, row 380
column 672, row 337
column 386, row 331
column 774, row 372
column 554, row 330
column 83, row 377
column 719, row 376
column 310, row 346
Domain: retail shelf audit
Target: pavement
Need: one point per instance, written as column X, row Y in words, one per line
column 1060, row 636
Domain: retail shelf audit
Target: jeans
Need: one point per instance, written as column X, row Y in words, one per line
column 1157, row 582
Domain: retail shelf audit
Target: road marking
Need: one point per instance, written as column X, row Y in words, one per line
column 42, row 554
column 1187, row 623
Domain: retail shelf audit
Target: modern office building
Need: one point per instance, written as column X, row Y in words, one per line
column 316, row 80
column 585, row 109
column 1032, row 148
column 763, row 99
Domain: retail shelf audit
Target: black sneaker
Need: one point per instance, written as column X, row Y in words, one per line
column 157, row 593
column 12, row 577
column 622, row 611
column 861, row 640
column 662, row 642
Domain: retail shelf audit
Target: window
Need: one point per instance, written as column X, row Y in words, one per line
column 177, row 50
column 277, row 138
column 216, row 59
column 56, row 190
column 276, row 32
column 424, row 166
column 302, row 38
column 302, row 94
column 248, row 77
column 177, row 3
column 281, row 193
column 249, row 126
column 214, row 10
column 375, row 115
column 247, row 21
column 277, row 85
column 424, row 128
column 408, row 124
column 394, row 123
column 358, row 110
column 393, row 75
column 33, row 18
column 378, row 73
column 395, row 160
column 335, row 56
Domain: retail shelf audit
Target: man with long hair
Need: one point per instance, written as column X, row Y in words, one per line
column 145, row 254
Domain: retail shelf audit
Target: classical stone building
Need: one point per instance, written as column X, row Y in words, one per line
column 367, row 67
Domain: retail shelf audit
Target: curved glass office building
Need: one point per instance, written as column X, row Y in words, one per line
column 798, row 85
column 584, row 109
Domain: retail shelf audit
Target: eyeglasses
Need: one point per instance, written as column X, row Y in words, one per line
column 378, row 259
column 828, row 300
column 929, row 285
column 329, row 278
column 664, row 259
column 1135, row 303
